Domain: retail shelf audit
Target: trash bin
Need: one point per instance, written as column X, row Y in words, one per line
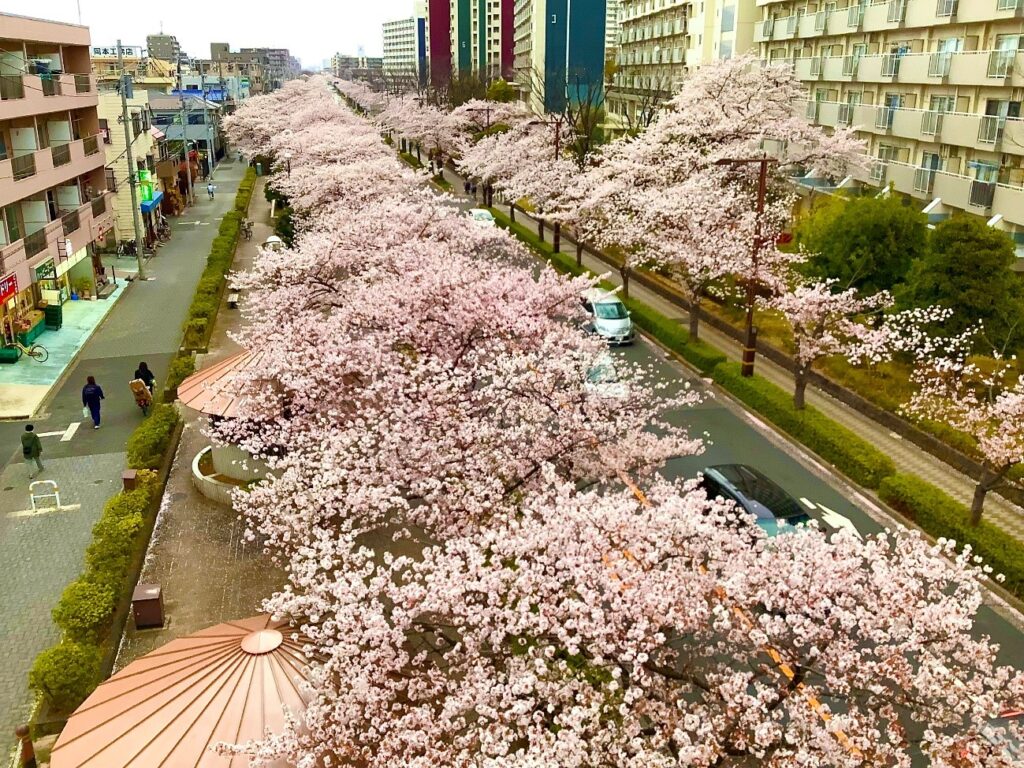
column 148, row 606
column 259, row 169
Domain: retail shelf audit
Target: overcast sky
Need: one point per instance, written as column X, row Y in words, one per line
column 312, row 30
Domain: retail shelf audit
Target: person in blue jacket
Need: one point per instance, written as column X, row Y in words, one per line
column 92, row 393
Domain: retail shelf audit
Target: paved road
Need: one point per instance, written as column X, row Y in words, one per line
column 41, row 554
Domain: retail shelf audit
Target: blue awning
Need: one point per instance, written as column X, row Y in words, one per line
column 148, row 205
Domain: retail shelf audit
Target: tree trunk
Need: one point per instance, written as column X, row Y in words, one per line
column 800, row 390
column 978, row 504
column 579, row 251
column 540, row 229
column 512, row 210
column 556, row 237
column 624, row 271
column 694, row 316
column 418, row 158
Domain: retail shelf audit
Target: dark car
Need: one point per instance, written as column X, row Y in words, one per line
column 776, row 511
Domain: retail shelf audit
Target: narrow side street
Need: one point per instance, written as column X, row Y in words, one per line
column 42, row 553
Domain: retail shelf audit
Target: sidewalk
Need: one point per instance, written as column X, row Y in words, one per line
column 907, row 456
column 207, row 570
column 42, row 553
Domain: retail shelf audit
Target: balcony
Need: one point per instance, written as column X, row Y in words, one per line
column 877, row 171
column 982, row 194
column 850, row 66
column 855, row 17
column 36, row 243
column 991, row 129
column 37, row 171
column 845, row 114
column 811, row 111
column 70, row 222
column 896, row 13
column 99, row 206
column 35, row 95
column 1000, row 63
column 891, row 65
column 816, row 66
column 931, row 123
column 946, row 8
column 938, row 64
column 884, row 117
column 924, row 180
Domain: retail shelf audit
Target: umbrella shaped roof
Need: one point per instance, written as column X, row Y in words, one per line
column 212, row 390
column 230, row 683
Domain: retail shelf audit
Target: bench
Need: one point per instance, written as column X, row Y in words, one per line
column 233, row 300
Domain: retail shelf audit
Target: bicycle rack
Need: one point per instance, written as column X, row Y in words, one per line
column 33, row 496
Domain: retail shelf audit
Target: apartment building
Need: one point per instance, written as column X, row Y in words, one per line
column 482, row 37
column 147, row 73
column 660, row 41
column 405, row 49
column 53, row 199
column 280, row 64
column 933, row 86
column 165, row 48
column 252, row 68
column 613, row 12
column 559, row 51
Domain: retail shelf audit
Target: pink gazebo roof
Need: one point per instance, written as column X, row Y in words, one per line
column 227, row 684
column 212, row 390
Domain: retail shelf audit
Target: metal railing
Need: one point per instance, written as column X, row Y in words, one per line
column 1000, row 63
column 946, row 8
column 767, row 27
column 931, row 122
column 877, row 171
column 991, row 129
column 99, row 206
column 938, row 64
column 71, row 222
column 51, row 87
column 891, row 64
column 1009, row 5
column 982, row 193
column 61, row 154
column 83, row 83
column 817, row 64
column 811, row 111
column 36, row 243
column 791, row 23
column 11, row 87
column 850, row 65
column 897, row 13
column 820, row 18
column 23, row 166
column 884, row 116
column 845, row 114
column 91, row 145
column 924, row 180
column 855, row 16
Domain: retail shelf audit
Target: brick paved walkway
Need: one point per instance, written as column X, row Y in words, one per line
column 41, row 554
column 907, row 456
column 207, row 571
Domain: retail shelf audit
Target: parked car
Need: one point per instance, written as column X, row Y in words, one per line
column 775, row 510
column 609, row 317
column 481, row 217
column 603, row 380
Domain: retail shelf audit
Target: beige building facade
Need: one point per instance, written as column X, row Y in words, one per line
column 933, row 86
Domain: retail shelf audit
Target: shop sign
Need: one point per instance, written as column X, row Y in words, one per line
column 8, row 287
column 46, row 271
column 145, row 185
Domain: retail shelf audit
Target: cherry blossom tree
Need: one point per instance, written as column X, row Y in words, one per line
column 986, row 402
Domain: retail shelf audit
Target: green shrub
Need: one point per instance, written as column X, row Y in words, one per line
column 85, row 610
column 669, row 332
column 944, row 517
column 195, row 331
column 66, row 674
column 209, row 286
column 150, row 440
column 860, row 461
column 181, row 367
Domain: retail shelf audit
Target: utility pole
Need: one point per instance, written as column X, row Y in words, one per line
column 132, row 179
column 750, row 342
column 184, row 136
column 206, row 122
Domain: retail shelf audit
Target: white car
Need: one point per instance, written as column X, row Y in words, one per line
column 603, row 380
column 481, row 217
column 609, row 317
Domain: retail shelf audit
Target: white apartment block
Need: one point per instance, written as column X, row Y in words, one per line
column 613, row 10
column 933, row 86
column 660, row 41
column 404, row 48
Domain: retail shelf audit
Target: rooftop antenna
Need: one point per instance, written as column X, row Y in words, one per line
column 79, row 4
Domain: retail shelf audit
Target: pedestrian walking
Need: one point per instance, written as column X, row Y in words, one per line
column 209, row 189
column 146, row 375
column 32, row 449
column 27, row 758
column 92, row 393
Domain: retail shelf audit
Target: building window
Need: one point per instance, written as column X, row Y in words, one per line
column 729, row 19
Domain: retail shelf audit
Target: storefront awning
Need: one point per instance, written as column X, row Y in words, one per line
column 148, row 205
column 156, row 133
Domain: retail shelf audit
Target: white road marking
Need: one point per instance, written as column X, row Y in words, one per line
column 70, row 431
column 50, row 434
column 44, row 510
column 834, row 519
column 808, row 503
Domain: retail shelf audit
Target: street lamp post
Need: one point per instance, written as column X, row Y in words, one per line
column 556, row 123
column 750, row 342
column 288, row 162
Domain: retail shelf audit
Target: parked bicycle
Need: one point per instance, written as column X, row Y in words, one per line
column 126, row 248
column 247, row 229
column 36, row 351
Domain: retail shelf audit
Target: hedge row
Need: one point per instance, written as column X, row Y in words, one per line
column 66, row 673
column 944, row 517
column 206, row 302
